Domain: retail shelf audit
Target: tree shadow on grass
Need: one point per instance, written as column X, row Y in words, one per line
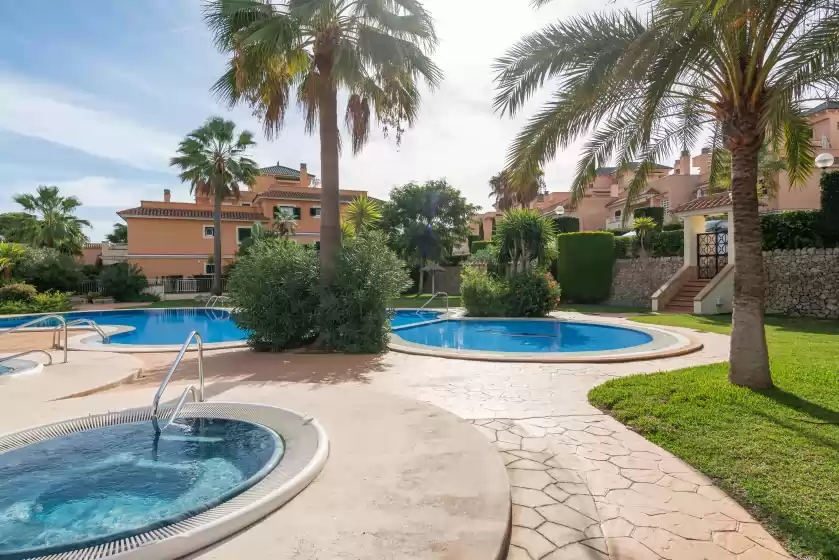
column 819, row 413
column 803, row 324
column 245, row 366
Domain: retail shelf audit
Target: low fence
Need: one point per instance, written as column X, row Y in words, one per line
column 190, row 285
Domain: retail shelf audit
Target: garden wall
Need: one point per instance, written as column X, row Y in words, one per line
column 802, row 282
column 635, row 280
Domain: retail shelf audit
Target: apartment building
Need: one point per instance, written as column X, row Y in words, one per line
column 168, row 238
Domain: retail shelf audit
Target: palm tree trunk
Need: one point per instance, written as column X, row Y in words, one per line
column 749, row 361
column 217, row 243
column 330, row 220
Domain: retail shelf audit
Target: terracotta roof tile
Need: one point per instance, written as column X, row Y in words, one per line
column 152, row 212
column 704, row 203
column 312, row 194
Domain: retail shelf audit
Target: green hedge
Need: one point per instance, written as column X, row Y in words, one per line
column 654, row 212
column 797, row 229
column 478, row 245
column 673, row 227
column 567, row 224
column 585, row 266
column 830, row 206
column 668, row 243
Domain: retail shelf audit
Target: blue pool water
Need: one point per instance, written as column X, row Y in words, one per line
column 157, row 326
column 404, row 317
column 5, row 369
column 523, row 336
column 109, row 483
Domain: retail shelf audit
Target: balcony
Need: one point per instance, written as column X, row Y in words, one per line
column 615, row 224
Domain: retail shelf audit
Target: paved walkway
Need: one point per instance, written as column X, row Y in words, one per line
column 584, row 487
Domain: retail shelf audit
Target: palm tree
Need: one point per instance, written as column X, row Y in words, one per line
column 643, row 227
column 769, row 167
column 284, row 225
column 213, row 160
column 524, row 237
column 502, row 191
column 307, row 49
column 509, row 193
column 54, row 223
column 643, row 89
column 363, row 214
column 119, row 235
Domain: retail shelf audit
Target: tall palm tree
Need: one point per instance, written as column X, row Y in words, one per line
column 55, row 224
column 643, row 89
column 213, row 160
column 509, row 192
column 502, row 191
column 306, row 50
column 363, row 214
column 769, row 167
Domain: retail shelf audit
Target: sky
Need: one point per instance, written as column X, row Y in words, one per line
column 96, row 94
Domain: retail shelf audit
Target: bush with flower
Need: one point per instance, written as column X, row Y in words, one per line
column 531, row 294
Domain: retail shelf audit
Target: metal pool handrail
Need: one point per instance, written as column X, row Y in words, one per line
column 211, row 303
column 178, row 407
column 41, row 319
column 156, row 402
column 432, row 299
column 18, row 355
column 106, row 339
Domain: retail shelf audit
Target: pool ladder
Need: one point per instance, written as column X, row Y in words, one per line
column 197, row 396
column 432, row 299
column 62, row 324
column 106, row 339
column 211, row 303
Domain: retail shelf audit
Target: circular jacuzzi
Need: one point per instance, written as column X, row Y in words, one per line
column 111, row 486
column 16, row 366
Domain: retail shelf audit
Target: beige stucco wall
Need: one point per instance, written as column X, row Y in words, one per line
column 89, row 255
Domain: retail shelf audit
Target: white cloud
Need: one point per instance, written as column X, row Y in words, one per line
column 65, row 117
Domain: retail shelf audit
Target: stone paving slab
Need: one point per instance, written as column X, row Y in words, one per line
column 592, row 489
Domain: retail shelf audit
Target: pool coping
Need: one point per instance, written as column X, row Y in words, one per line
column 679, row 345
column 92, row 342
column 20, row 366
column 306, row 452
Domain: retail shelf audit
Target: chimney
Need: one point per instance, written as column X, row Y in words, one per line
column 304, row 175
column 167, row 195
column 684, row 162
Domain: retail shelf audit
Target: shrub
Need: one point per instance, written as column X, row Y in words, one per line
column 478, row 245
column 624, row 247
column 47, row 302
column 17, row 292
column 353, row 315
column 472, row 238
column 272, row 290
column 47, row 269
column 123, row 281
column 482, row 294
column 667, row 243
column 567, row 224
column 585, row 265
column 792, row 230
column 829, row 183
column 531, row 294
column 654, row 212
column 673, row 227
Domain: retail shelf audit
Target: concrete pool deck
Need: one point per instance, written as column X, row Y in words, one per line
column 583, row 486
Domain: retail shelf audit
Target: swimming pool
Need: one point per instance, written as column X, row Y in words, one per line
column 402, row 317
column 523, row 336
column 110, row 485
column 105, row 484
column 155, row 326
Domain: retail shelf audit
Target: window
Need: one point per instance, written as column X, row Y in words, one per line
column 314, row 211
column 290, row 210
column 246, row 204
column 242, row 233
column 666, row 205
column 209, row 232
column 617, row 214
column 209, row 268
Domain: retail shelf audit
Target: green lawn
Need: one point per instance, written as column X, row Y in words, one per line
column 597, row 308
column 775, row 451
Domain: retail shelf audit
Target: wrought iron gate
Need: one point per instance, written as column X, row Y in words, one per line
column 712, row 252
